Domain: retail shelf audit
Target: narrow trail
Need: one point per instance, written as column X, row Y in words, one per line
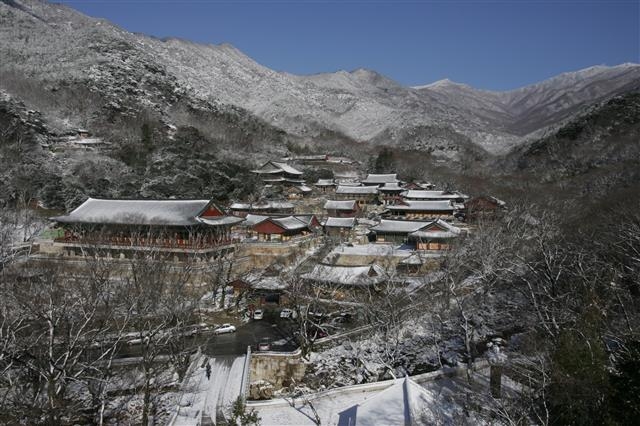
column 210, row 400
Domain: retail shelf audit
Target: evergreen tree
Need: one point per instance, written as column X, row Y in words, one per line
column 384, row 163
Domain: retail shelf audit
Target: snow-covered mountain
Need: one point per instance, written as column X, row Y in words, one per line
column 50, row 42
column 533, row 107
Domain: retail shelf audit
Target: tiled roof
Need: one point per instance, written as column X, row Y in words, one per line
column 447, row 231
column 221, row 220
column 137, row 212
column 347, row 275
column 359, row 190
column 290, row 223
column 273, row 167
column 398, row 226
column 394, row 186
column 379, row 179
column 252, row 219
column 433, row 195
column 287, row 168
column 340, row 205
column 262, row 205
column 409, row 205
column 340, row 222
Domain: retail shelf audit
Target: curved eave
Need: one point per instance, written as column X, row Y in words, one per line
column 221, row 221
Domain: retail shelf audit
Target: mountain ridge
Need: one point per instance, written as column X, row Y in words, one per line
column 53, row 41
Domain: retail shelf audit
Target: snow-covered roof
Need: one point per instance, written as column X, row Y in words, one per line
column 220, row 220
column 306, row 218
column 290, row 222
column 252, row 219
column 491, row 199
column 347, row 275
column 137, row 212
column 404, row 403
column 433, row 195
column 346, row 160
column 348, row 182
column 317, row 157
column 359, row 190
column 281, row 179
column 398, row 226
column 262, row 205
column 304, row 188
column 240, row 206
column 287, row 168
column 340, row 222
column 277, row 205
column 261, row 282
column 274, row 167
column 409, row 205
column 381, row 250
column 340, row 205
column 381, row 178
column 393, row 186
column 325, row 182
column 88, row 141
column 286, row 222
column 433, row 235
column 438, row 229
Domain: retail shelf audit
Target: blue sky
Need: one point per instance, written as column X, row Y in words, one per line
column 489, row 44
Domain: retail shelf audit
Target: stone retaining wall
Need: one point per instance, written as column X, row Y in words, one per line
column 279, row 369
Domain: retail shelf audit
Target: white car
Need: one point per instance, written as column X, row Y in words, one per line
column 288, row 313
column 264, row 345
column 258, row 314
column 224, row 328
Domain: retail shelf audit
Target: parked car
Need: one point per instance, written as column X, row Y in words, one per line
column 258, row 314
column 225, row 328
column 264, row 345
column 288, row 313
column 194, row 329
column 138, row 341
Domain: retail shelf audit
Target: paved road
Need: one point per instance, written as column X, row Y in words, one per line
column 233, row 343
column 249, row 335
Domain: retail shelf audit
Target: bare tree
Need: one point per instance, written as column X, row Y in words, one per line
column 56, row 319
column 161, row 305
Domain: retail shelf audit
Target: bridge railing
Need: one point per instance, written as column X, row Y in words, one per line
column 246, row 375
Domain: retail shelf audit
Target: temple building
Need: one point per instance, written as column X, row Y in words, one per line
column 273, row 172
column 265, row 207
column 347, row 208
column 390, row 193
column 427, row 236
column 430, row 195
column 437, row 235
column 326, row 185
column 124, row 226
column 362, row 194
column 346, row 276
column 484, row 207
column 341, row 227
column 379, row 180
column 283, row 229
column 297, row 192
column 394, row 231
column 421, row 210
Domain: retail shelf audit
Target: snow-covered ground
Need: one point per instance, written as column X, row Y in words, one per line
column 204, row 396
column 447, row 397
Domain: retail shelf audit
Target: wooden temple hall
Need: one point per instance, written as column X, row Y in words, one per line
column 122, row 227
